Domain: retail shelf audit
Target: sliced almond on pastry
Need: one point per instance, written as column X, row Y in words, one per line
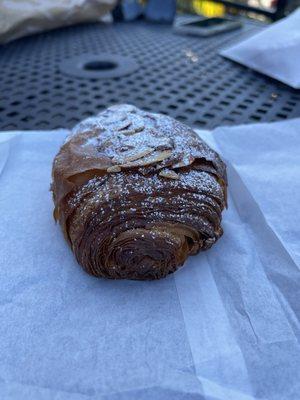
column 168, row 173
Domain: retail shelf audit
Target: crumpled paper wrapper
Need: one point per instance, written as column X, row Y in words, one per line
column 225, row 326
column 20, row 18
column 275, row 51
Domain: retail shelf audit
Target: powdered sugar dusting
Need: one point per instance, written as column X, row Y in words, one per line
column 126, row 134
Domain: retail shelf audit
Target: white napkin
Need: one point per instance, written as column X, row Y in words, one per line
column 275, row 51
column 226, row 326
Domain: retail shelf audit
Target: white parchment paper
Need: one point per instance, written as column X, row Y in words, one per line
column 226, row 326
column 275, row 51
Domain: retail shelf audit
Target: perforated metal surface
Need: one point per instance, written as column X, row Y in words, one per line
column 177, row 75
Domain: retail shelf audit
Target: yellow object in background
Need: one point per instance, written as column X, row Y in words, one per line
column 208, row 8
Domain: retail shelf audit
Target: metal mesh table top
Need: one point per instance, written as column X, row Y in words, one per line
column 181, row 76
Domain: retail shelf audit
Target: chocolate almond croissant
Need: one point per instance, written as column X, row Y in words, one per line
column 136, row 193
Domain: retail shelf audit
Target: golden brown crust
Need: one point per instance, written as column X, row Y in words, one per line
column 136, row 193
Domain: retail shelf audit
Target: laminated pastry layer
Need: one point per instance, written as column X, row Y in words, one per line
column 136, row 193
